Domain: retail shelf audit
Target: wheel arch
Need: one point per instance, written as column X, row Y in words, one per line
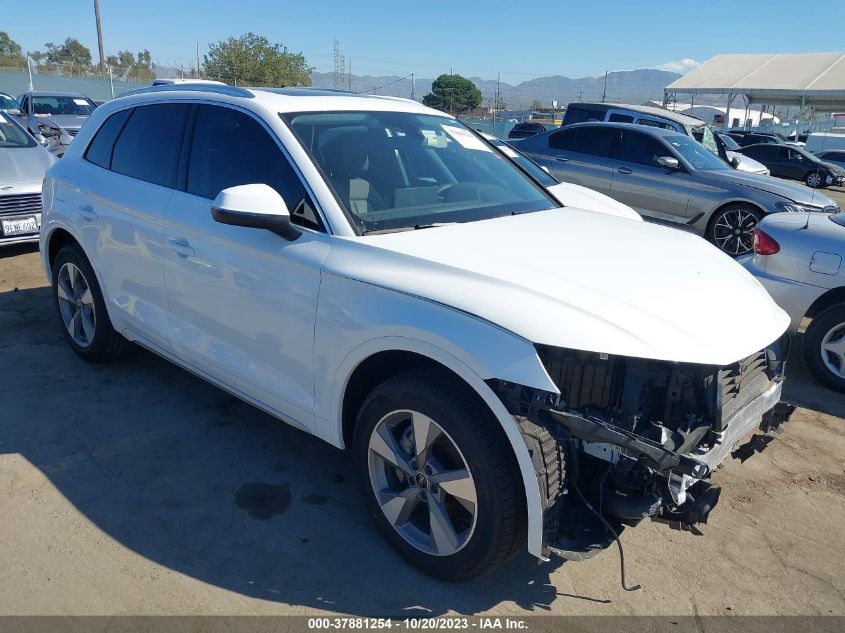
column 56, row 240
column 731, row 203
column 829, row 298
column 378, row 360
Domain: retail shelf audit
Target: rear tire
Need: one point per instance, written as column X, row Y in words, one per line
column 486, row 508
column 81, row 309
column 731, row 229
column 824, row 347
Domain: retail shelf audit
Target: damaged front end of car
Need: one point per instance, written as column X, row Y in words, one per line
column 638, row 438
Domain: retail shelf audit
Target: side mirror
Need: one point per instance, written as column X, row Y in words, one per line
column 735, row 162
column 256, row 206
column 40, row 139
column 668, row 162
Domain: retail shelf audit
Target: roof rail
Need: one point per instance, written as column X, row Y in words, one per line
column 303, row 90
column 231, row 91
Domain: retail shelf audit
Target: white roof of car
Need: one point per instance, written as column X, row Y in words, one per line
column 282, row 99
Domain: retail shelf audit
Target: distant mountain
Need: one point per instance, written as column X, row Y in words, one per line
column 626, row 86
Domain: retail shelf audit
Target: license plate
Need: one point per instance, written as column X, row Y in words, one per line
column 20, row 226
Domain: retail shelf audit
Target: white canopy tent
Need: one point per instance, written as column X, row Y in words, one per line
column 814, row 81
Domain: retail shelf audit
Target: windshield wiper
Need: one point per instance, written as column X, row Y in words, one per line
column 400, row 229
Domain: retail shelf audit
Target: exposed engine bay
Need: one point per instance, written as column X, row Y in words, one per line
column 639, row 438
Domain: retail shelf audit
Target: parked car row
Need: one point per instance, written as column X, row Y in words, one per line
column 377, row 274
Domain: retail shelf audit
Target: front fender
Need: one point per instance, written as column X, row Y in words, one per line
column 356, row 320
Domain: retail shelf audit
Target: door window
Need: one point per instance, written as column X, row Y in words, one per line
column 595, row 140
column 616, row 117
column 640, row 148
column 230, row 148
column 99, row 151
column 565, row 140
column 149, row 146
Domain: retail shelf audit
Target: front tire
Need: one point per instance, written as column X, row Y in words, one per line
column 438, row 475
column 732, row 229
column 815, row 180
column 81, row 309
column 824, row 347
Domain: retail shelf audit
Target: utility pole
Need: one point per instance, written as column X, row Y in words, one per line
column 579, row 96
column 349, row 77
column 413, row 87
column 99, row 35
column 198, row 60
column 604, row 94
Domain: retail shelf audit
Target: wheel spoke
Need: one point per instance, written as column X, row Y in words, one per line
column 425, row 434
column 384, row 445
column 87, row 319
column 459, row 484
column 87, row 298
column 63, row 288
column 398, row 506
column 75, row 324
column 71, row 276
column 442, row 532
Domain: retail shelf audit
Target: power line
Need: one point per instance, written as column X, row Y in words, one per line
column 388, row 84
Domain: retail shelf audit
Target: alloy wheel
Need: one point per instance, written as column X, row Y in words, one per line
column 76, row 304
column 733, row 231
column 422, row 482
column 814, row 180
column 833, row 350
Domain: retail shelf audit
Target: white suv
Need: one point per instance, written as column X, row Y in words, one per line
column 377, row 274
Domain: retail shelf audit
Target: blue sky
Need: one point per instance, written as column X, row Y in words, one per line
column 429, row 37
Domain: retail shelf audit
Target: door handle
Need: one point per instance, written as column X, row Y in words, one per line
column 625, row 170
column 562, row 159
column 180, row 246
column 86, row 211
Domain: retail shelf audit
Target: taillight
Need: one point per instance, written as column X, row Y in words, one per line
column 764, row 244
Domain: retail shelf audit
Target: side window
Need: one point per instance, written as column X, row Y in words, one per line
column 149, row 146
column 616, row 117
column 595, row 140
column 654, row 123
column 640, row 148
column 231, row 148
column 100, row 150
column 578, row 114
column 565, row 140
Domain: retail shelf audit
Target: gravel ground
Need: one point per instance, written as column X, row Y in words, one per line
column 136, row 488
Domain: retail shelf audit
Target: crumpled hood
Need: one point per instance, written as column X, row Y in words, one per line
column 578, row 279
column 64, row 121
column 792, row 191
column 24, row 165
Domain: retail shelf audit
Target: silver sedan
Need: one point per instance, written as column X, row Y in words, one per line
column 23, row 163
column 799, row 259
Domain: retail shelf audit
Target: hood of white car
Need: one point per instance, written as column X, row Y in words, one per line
column 578, row 279
column 23, row 164
column 572, row 195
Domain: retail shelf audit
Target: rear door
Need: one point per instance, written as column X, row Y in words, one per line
column 638, row 181
column 583, row 155
column 766, row 154
column 243, row 300
column 122, row 192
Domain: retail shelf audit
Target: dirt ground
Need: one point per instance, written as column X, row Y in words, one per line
column 136, row 488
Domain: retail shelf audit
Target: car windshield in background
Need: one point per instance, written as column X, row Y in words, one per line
column 704, row 135
column 730, row 143
column 53, row 105
column 839, row 218
column 695, row 153
column 12, row 135
column 399, row 170
column 7, row 103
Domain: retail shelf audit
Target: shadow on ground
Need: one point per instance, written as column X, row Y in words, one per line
column 210, row 487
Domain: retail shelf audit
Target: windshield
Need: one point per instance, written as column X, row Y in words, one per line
column 12, row 134
column 399, row 170
column 695, row 153
column 801, row 152
column 7, row 103
column 729, row 142
column 52, row 105
column 534, row 170
column 839, row 218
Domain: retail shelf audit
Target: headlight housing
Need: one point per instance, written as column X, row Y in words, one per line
column 794, row 207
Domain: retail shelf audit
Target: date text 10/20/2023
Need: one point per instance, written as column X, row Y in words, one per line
column 482, row 623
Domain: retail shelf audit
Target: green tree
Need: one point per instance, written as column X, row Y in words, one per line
column 536, row 104
column 253, row 60
column 10, row 51
column 72, row 55
column 453, row 93
column 138, row 67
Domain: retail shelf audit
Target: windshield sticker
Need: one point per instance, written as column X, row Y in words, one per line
column 81, row 102
column 465, row 138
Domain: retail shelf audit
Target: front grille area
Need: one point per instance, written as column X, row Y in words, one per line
column 20, row 204
column 583, row 378
column 742, row 381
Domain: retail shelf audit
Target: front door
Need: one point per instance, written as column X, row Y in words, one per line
column 243, row 300
column 639, row 182
column 582, row 155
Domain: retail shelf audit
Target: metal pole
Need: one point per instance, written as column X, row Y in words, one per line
column 198, row 60
column 413, row 87
column 29, row 69
column 99, row 35
column 111, row 84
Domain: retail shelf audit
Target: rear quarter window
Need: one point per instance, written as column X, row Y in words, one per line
column 99, row 151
